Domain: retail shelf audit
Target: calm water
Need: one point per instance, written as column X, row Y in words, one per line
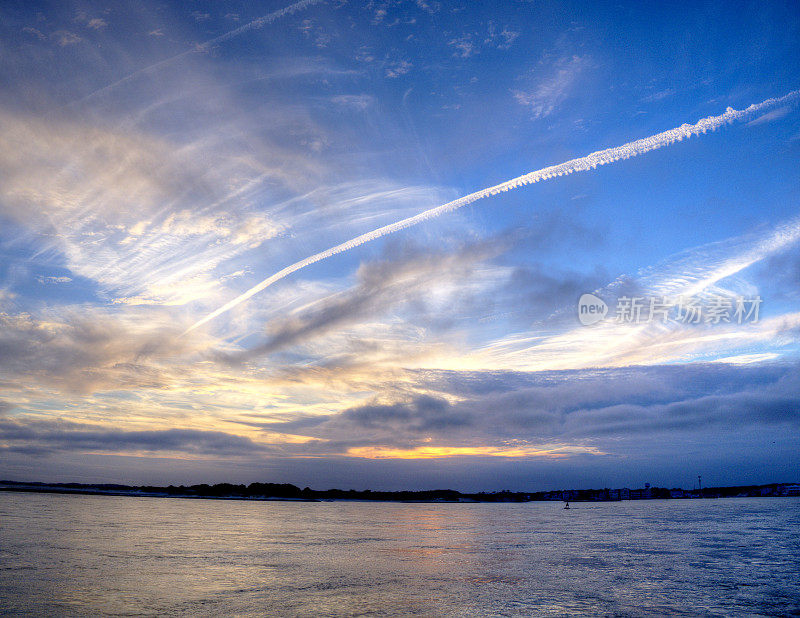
column 67, row 555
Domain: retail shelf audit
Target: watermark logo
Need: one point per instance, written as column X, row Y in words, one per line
column 591, row 309
column 708, row 309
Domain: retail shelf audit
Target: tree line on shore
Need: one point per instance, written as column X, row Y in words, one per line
column 287, row 491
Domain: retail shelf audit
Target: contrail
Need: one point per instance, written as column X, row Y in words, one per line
column 589, row 162
column 256, row 23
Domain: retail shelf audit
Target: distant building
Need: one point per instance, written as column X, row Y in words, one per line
column 792, row 490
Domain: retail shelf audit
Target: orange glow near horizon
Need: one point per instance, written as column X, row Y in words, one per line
column 438, row 452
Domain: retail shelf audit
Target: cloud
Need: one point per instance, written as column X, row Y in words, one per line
column 355, row 101
column 464, row 46
column 398, row 68
column 775, row 114
column 658, row 96
column 65, row 37
column 422, row 413
column 779, row 275
column 364, row 54
column 94, row 23
column 559, row 342
column 251, row 230
column 553, row 89
column 379, row 15
column 97, row 23
column 536, row 292
column 381, row 286
column 78, row 188
column 81, row 351
column 206, row 45
column 449, row 414
column 47, row 437
column 470, row 44
column 428, row 7
column 171, row 192
column 34, row 32
column 502, row 39
column 318, row 34
column 135, row 173
column 539, row 403
column 468, row 408
column 140, row 216
column 555, row 415
column 582, row 164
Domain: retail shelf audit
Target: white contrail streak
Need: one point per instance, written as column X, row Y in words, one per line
column 589, row 162
column 256, row 23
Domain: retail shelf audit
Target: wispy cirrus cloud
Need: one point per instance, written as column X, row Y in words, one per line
column 699, row 271
column 65, row 38
column 206, row 45
column 472, row 43
column 117, row 206
column 397, row 68
column 582, row 164
column 381, row 286
column 356, row 101
column 552, row 85
column 196, row 167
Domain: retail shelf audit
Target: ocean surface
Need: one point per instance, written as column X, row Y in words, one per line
column 94, row 555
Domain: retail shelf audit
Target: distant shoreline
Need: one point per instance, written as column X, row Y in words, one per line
column 271, row 492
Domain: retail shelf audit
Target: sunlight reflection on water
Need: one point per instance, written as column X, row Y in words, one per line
column 68, row 555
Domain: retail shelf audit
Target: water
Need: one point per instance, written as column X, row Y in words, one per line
column 77, row 555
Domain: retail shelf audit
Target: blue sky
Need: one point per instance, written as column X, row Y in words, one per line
column 159, row 160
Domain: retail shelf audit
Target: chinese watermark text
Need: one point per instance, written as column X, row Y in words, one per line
column 708, row 309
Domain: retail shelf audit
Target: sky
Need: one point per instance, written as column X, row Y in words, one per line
column 173, row 176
